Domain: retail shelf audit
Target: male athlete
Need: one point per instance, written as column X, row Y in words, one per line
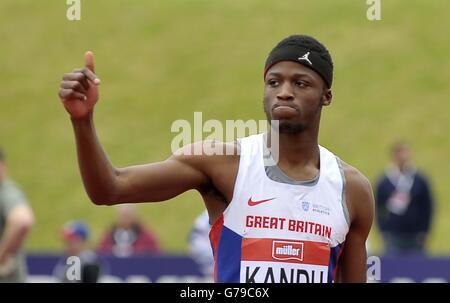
column 305, row 219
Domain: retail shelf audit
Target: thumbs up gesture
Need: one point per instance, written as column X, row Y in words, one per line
column 79, row 89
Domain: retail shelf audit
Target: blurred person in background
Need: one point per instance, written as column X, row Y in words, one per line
column 75, row 235
column 200, row 245
column 404, row 204
column 128, row 236
column 16, row 220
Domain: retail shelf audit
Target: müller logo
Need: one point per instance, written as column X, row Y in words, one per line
column 287, row 250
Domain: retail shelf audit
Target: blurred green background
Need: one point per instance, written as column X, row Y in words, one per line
column 162, row 60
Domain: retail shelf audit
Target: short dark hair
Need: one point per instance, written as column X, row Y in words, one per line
column 2, row 155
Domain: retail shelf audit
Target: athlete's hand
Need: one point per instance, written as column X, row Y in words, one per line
column 79, row 89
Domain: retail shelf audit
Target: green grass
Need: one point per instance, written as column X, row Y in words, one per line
column 162, row 60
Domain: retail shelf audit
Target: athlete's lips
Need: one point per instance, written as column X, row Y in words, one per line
column 284, row 105
column 284, row 111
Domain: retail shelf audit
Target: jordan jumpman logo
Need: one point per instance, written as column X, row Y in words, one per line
column 305, row 57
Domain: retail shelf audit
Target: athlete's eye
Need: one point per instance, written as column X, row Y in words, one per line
column 301, row 83
column 273, row 82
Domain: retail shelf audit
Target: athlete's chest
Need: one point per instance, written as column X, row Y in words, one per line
column 290, row 216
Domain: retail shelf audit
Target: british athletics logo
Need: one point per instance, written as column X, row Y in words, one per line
column 305, row 205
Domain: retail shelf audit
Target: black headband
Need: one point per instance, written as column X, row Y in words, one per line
column 303, row 56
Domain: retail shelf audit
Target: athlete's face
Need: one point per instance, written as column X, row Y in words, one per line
column 294, row 95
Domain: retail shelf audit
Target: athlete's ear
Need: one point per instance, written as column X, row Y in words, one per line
column 327, row 96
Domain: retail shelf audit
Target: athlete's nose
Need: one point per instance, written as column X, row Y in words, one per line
column 285, row 93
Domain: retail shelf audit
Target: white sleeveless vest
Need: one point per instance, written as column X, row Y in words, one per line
column 278, row 232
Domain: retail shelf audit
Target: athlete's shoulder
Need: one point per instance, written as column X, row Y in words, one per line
column 354, row 177
column 359, row 194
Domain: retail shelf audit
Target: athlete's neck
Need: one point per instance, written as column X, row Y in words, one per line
column 298, row 154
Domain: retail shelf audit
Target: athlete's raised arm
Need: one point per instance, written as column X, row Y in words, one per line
column 106, row 184
column 352, row 264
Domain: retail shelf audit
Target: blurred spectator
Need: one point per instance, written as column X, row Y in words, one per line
column 404, row 205
column 128, row 236
column 200, row 245
column 16, row 220
column 75, row 235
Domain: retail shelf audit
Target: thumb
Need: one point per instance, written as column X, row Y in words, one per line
column 89, row 60
column 89, row 63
